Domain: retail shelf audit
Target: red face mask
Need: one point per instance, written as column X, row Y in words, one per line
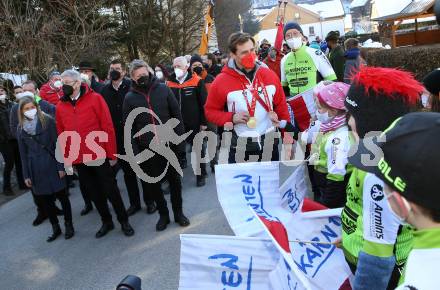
column 248, row 61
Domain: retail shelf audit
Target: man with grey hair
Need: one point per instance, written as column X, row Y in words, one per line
column 149, row 94
column 92, row 148
column 191, row 93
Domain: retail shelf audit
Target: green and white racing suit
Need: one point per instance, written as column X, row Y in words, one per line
column 299, row 69
column 424, row 259
column 332, row 170
column 368, row 225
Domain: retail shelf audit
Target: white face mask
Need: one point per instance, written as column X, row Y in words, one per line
column 401, row 220
column 425, row 100
column 84, row 77
column 58, row 84
column 30, row 114
column 159, row 75
column 295, row 43
column 2, row 98
column 323, row 117
column 179, row 73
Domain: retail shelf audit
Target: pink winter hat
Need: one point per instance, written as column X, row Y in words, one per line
column 332, row 94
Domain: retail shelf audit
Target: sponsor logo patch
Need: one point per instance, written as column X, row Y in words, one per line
column 377, row 192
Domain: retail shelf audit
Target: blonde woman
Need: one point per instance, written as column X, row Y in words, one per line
column 37, row 136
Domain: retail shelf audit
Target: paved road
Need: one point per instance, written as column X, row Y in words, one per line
column 27, row 261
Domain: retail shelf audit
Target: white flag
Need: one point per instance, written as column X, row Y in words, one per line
column 222, row 262
column 317, row 265
column 294, row 189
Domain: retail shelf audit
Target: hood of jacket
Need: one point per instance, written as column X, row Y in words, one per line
column 154, row 83
column 352, row 53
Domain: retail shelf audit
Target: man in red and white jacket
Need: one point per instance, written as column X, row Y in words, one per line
column 51, row 91
column 249, row 96
column 85, row 113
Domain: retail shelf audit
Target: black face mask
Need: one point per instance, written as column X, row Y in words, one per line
column 115, row 75
column 198, row 70
column 144, row 82
column 67, row 90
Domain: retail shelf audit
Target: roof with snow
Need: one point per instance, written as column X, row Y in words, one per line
column 414, row 8
column 358, row 3
column 262, row 12
column 388, row 7
column 327, row 9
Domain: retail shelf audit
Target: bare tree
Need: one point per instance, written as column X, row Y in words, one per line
column 226, row 18
column 39, row 36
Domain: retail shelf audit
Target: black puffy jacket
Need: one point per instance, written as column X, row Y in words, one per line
column 164, row 105
column 5, row 111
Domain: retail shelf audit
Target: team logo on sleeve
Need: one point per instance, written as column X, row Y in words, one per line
column 377, row 192
column 376, row 212
column 335, row 142
column 318, row 52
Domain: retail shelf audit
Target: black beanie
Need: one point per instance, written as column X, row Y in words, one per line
column 292, row 25
column 378, row 96
column 195, row 58
column 432, row 82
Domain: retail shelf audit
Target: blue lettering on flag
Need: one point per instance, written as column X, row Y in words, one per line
column 292, row 199
column 234, row 279
column 255, row 201
column 317, row 254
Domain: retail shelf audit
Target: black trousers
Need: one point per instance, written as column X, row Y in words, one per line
column 252, row 148
column 338, row 196
column 87, row 196
column 39, row 202
column 101, row 183
column 48, row 202
column 131, row 183
column 190, row 141
column 155, row 167
column 11, row 156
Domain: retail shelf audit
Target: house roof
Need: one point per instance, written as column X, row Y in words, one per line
column 415, row 7
column 295, row 6
column 358, row 3
column 262, row 11
column 328, row 9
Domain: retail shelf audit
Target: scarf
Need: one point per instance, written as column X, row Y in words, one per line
column 336, row 123
column 30, row 126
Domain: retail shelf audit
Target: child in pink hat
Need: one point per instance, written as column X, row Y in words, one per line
column 330, row 149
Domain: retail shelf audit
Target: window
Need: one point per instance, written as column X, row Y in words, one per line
column 311, row 30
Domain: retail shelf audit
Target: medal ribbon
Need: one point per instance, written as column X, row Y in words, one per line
column 250, row 106
column 256, row 97
column 268, row 106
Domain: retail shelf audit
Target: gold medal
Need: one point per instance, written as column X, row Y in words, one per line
column 252, row 123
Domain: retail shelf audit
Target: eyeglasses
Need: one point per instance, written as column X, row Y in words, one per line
column 292, row 35
column 69, row 83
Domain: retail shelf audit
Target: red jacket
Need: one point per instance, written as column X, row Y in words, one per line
column 274, row 65
column 227, row 92
column 49, row 94
column 89, row 114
